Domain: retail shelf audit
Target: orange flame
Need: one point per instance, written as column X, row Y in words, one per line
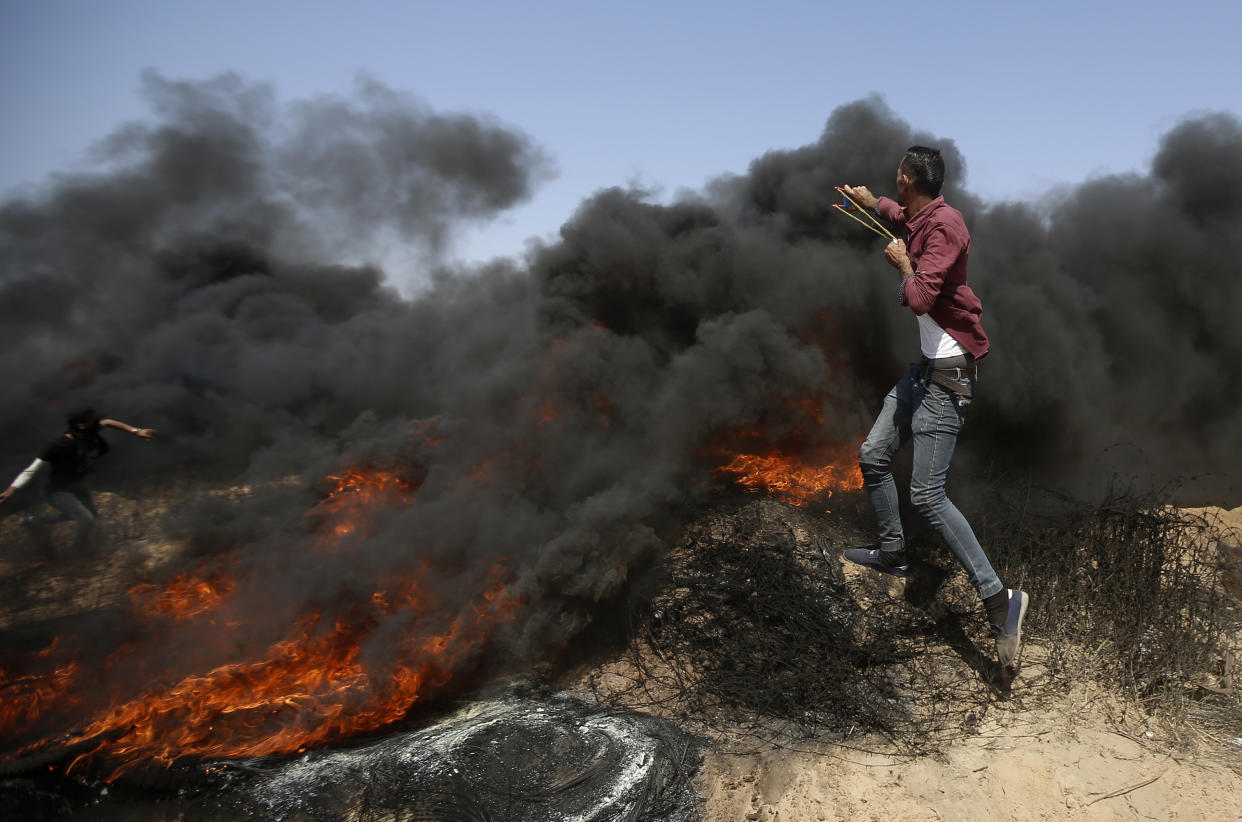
column 352, row 504
column 317, row 684
column 186, row 596
column 26, row 697
column 308, row 689
column 791, row 478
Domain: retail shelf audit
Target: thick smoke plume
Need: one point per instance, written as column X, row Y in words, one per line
column 557, row 415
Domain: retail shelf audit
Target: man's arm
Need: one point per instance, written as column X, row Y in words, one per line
column 939, row 254
column 898, row 258
column 23, row 478
column 883, row 206
column 144, row 433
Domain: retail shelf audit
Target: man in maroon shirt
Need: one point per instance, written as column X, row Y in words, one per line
column 928, row 405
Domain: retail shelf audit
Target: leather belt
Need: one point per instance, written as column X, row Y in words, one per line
column 949, row 371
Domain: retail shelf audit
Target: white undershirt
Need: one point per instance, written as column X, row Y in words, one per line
column 935, row 341
column 25, row 476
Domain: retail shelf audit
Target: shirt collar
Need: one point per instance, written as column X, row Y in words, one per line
column 925, row 214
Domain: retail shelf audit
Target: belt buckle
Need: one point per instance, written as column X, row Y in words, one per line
column 958, row 373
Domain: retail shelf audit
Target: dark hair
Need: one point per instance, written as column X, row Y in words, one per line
column 925, row 168
column 83, row 416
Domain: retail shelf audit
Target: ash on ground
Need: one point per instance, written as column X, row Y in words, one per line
column 510, row 759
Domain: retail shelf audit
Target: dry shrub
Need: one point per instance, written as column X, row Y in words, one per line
column 1128, row 591
column 756, row 635
column 755, row 631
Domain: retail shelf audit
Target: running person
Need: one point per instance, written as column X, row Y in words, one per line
column 66, row 461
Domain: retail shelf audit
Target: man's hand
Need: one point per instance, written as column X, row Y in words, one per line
column 895, row 253
column 6, row 493
column 861, row 195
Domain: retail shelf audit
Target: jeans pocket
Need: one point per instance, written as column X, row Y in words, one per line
column 944, row 398
column 961, row 403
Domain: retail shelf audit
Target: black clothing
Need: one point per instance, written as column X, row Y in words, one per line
column 70, row 457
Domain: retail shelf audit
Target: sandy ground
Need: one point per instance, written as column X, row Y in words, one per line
column 1087, row 757
column 1067, row 763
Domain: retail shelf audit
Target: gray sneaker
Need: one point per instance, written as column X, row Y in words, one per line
column 1009, row 635
column 889, row 562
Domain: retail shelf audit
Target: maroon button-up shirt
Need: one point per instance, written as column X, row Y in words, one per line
column 939, row 244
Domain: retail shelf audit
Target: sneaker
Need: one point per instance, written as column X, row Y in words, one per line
column 1009, row 635
column 889, row 562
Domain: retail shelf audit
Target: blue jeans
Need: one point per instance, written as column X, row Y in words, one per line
column 931, row 415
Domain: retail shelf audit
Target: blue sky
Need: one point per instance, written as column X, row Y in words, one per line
column 664, row 95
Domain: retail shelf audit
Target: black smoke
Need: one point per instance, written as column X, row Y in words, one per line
column 1114, row 309
column 201, row 282
column 562, row 413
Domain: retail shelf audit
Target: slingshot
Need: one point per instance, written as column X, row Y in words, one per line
column 873, row 225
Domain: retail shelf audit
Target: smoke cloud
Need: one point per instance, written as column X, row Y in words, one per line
column 559, row 414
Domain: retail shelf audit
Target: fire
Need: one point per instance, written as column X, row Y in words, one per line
column 309, row 689
column 321, row 682
column 26, row 697
column 791, row 477
column 340, row 666
column 186, row 596
column 363, row 481
column 355, row 499
column 785, row 454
